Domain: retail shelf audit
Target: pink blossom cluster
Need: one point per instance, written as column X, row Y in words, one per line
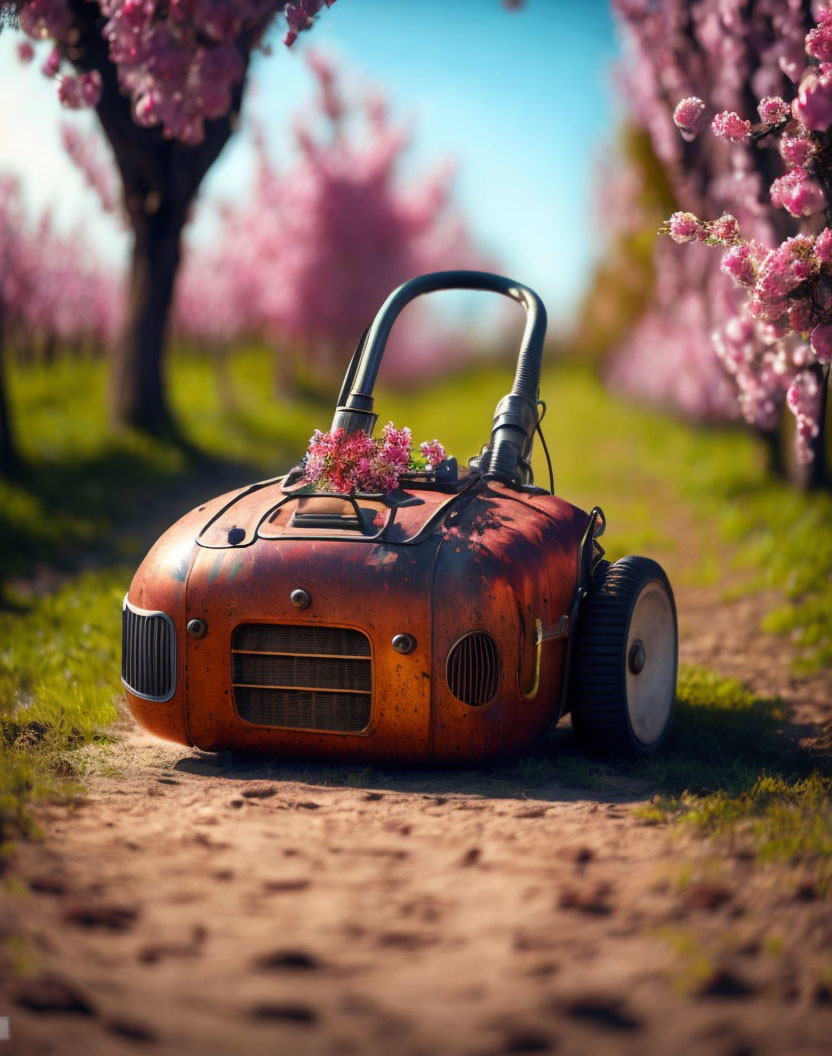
column 432, row 452
column 731, row 126
column 688, row 116
column 669, row 358
column 804, row 401
column 87, row 154
column 179, row 62
column 773, row 328
column 687, row 227
column 762, row 371
column 77, row 93
column 796, row 150
column 349, row 462
column 299, row 15
column 813, row 105
column 773, row 110
column 798, row 193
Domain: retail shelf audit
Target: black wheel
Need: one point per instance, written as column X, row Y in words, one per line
column 624, row 660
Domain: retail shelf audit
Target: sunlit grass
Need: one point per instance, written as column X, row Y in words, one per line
column 59, row 682
column 733, row 770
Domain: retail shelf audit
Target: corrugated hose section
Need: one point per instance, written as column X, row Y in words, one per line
column 301, row 677
column 148, row 653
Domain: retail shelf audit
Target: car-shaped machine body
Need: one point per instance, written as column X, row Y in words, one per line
column 453, row 620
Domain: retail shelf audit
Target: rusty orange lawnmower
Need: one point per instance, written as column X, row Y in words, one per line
column 455, row 619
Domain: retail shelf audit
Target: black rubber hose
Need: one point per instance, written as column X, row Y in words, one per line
column 515, row 419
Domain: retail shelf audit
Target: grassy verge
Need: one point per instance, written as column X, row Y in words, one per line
column 735, row 771
column 58, row 687
column 86, row 495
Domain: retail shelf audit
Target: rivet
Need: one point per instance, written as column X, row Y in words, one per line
column 404, row 643
column 300, row 598
column 196, row 628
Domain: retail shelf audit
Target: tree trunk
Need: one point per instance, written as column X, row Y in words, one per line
column 773, row 442
column 49, row 350
column 160, row 179
column 225, row 382
column 137, row 392
column 286, row 371
column 8, row 454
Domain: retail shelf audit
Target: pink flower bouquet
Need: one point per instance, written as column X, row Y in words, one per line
column 346, row 462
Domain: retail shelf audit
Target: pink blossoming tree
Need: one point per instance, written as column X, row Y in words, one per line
column 737, row 99
column 54, row 294
column 167, row 82
column 312, row 249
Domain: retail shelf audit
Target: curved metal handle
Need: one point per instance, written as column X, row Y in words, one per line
column 516, row 416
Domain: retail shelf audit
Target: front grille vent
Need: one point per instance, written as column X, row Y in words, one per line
column 301, row 677
column 473, row 668
column 148, row 653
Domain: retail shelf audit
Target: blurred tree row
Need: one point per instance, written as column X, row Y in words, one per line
column 300, row 259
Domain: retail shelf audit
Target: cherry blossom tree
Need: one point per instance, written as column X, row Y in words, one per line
column 55, row 294
column 71, row 302
column 761, row 76
column 312, row 250
column 167, row 82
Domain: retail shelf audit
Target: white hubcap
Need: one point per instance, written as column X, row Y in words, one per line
column 651, row 658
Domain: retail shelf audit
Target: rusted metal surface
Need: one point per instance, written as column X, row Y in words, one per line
column 486, row 557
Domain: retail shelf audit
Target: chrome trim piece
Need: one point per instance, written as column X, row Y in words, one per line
column 126, row 605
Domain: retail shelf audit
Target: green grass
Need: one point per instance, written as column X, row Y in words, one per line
column 91, row 500
column 86, row 494
column 58, row 687
column 733, row 770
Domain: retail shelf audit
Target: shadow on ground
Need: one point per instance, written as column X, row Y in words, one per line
column 721, row 745
column 74, row 514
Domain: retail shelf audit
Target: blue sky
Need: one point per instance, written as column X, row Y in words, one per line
column 521, row 100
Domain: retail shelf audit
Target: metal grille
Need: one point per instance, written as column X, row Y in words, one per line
column 302, row 677
column 473, row 668
column 148, row 653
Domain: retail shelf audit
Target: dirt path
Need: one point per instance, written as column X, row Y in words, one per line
column 199, row 904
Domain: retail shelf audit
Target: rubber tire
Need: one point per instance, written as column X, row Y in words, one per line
column 598, row 676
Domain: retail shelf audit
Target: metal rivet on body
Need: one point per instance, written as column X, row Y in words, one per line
column 196, row 628
column 404, row 643
column 300, row 598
